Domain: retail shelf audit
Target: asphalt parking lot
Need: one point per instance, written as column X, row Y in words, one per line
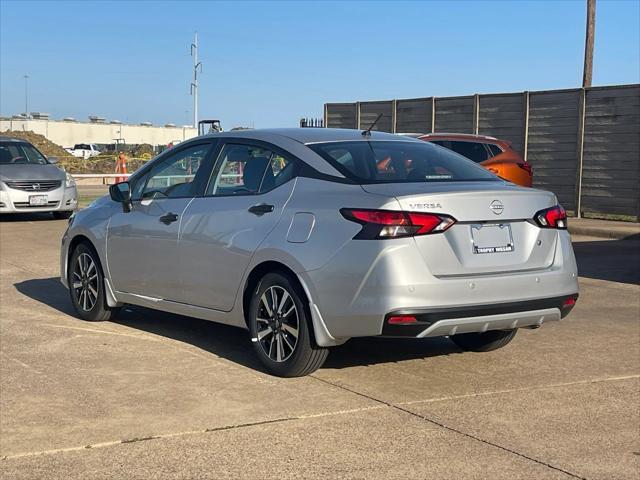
column 154, row 395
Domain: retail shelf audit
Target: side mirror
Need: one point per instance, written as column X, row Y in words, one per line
column 53, row 160
column 121, row 193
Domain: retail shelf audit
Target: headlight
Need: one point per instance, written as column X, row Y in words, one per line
column 69, row 181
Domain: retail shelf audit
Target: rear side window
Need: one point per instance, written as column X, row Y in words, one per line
column 494, row 149
column 472, row 150
column 399, row 162
column 250, row 169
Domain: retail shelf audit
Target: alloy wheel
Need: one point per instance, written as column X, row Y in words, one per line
column 85, row 282
column 277, row 323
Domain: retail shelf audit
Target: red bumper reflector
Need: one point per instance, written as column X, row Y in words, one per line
column 401, row 320
column 569, row 302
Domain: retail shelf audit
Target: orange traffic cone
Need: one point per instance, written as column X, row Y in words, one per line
column 121, row 167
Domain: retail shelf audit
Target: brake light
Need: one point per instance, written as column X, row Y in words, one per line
column 381, row 224
column 402, row 320
column 526, row 167
column 554, row 217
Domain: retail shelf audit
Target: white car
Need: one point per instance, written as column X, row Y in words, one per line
column 84, row 150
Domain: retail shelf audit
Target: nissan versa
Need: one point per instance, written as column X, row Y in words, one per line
column 308, row 237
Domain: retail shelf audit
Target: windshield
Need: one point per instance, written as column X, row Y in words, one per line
column 399, row 162
column 20, row 153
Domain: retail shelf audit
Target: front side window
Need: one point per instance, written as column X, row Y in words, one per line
column 173, row 177
column 399, row 162
column 17, row 153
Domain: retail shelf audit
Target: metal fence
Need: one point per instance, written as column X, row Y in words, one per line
column 583, row 144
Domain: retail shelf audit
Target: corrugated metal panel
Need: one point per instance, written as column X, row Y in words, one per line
column 369, row 111
column 611, row 155
column 553, row 143
column 413, row 116
column 454, row 114
column 610, row 144
column 502, row 116
column 341, row 115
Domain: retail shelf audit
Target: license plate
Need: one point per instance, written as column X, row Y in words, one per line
column 38, row 200
column 491, row 238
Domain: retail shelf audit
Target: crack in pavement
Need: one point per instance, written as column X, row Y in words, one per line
column 449, row 428
column 188, row 432
column 523, row 389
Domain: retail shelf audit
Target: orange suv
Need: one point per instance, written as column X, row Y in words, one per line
column 495, row 155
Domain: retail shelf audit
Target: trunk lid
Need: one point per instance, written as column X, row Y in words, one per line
column 492, row 234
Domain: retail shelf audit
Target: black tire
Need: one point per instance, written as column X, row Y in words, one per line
column 483, row 342
column 300, row 355
column 88, row 306
column 62, row 215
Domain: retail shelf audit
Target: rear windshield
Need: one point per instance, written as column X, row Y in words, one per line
column 399, row 162
column 13, row 152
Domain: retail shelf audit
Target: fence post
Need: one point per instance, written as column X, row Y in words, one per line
column 525, row 136
column 325, row 116
column 394, row 116
column 433, row 114
column 581, row 112
column 357, row 115
column 476, row 113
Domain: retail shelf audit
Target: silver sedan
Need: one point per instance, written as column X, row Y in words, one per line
column 29, row 182
column 309, row 237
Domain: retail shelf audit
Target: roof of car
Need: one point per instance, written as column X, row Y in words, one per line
column 4, row 138
column 314, row 135
column 460, row 136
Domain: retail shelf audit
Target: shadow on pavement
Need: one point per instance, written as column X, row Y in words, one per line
column 26, row 217
column 612, row 260
column 233, row 343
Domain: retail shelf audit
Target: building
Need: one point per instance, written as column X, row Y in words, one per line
column 68, row 132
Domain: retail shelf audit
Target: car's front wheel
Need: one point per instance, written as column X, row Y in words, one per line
column 86, row 285
column 280, row 328
column 483, row 342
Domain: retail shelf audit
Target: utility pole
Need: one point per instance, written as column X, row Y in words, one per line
column 588, row 44
column 26, row 95
column 194, row 85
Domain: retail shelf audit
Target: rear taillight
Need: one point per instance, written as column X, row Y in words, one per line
column 402, row 320
column 381, row 224
column 526, row 167
column 554, row 217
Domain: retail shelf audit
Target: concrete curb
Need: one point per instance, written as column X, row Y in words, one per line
column 631, row 232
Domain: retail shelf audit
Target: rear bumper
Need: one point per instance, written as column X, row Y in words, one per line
column 356, row 290
column 17, row 201
column 478, row 318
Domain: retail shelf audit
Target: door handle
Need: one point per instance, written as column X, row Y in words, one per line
column 261, row 209
column 169, row 218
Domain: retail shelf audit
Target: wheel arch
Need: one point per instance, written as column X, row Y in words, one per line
column 320, row 334
column 73, row 244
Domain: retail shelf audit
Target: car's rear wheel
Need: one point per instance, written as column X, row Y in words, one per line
column 62, row 215
column 483, row 342
column 86, row 285
column 280, row 328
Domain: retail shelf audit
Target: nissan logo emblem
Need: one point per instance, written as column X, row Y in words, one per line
column 496, row 207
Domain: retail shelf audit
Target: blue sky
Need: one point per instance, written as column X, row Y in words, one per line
column 268, row 63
